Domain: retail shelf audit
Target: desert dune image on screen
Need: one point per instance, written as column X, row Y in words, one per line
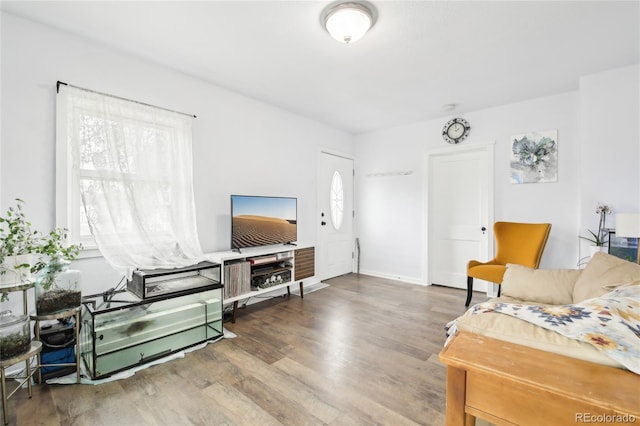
column 258, row 221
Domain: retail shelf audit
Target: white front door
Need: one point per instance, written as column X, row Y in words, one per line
column 460, row 215
column 335, row 216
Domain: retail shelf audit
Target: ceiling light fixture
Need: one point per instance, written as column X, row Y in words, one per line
column 348, row 22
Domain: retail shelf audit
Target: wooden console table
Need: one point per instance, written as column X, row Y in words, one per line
column 509, row 384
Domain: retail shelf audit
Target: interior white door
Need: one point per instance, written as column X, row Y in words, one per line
column 334, row 250
column 460, row 194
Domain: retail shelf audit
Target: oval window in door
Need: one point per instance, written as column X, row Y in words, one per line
column 336, row 201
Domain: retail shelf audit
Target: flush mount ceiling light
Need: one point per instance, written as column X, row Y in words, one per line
column 348, row 22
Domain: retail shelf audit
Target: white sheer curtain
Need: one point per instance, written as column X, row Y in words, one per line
column 133, row 166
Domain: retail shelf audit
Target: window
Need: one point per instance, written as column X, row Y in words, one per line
column 91, row 168
column 336, row 201
column 124, row 180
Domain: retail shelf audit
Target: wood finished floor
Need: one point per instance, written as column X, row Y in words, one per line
column 362, row 351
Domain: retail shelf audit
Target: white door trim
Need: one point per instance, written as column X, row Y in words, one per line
column 336, row 153
column 487, row 147
column 320, row 269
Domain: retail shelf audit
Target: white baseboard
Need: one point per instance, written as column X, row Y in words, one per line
column 410, row 280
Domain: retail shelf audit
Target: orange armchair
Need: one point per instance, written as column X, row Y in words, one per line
column 519, row 243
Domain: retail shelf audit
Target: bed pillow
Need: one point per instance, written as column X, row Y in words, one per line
column 602, row 274
column 548, row 286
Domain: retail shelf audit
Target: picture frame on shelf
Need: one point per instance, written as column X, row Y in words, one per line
column 623, row 247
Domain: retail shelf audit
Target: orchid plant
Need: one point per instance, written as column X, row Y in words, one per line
column 601, row 237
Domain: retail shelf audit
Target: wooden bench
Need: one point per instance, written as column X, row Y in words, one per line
column 509, row 384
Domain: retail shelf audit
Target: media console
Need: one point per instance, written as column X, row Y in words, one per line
column 262, row 270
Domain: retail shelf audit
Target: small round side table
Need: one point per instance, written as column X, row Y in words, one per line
column 22, row 286
column 57, row 315
column 35, row 349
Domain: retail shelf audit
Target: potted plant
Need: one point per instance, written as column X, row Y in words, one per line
column 599, row 239
column 18, row 245
column 57, row 287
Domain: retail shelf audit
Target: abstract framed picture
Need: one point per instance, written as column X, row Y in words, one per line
column 623, row 247
column 534, row 157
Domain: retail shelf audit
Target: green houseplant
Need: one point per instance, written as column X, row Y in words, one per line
column 18, row 246
column 57, row 287
column 24, row 251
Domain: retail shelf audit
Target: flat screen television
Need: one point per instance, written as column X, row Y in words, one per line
column 260, row 221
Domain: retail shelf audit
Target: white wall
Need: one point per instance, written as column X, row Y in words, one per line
column 390, row 210
column 390, row 207
column 245, row 146
column 610, row 144
column 240, row 145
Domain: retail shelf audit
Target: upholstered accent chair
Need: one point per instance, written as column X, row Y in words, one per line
column 517, row 243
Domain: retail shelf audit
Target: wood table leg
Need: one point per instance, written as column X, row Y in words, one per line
column 456, row 390
column 301, row 291
column 235, row 310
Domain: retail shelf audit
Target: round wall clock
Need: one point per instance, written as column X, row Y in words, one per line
column 456, row 130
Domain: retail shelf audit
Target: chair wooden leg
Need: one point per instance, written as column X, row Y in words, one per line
column 469, row 290
column 499, row 288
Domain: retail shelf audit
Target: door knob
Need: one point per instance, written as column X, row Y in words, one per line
column 483, row 229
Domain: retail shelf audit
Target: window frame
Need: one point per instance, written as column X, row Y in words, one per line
column 68, row 188
column 68, row 183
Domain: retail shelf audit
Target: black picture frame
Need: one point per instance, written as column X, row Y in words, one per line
column 623, row 247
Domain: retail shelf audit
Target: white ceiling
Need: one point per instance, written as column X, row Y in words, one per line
column 419, row 55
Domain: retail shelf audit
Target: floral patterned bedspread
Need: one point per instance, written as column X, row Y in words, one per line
column 611, row 323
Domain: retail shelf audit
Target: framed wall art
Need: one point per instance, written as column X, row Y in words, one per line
column 534, row 157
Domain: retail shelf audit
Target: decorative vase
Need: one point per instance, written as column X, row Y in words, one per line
column 595, row 249
column 57, row 287
column 13, row 271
